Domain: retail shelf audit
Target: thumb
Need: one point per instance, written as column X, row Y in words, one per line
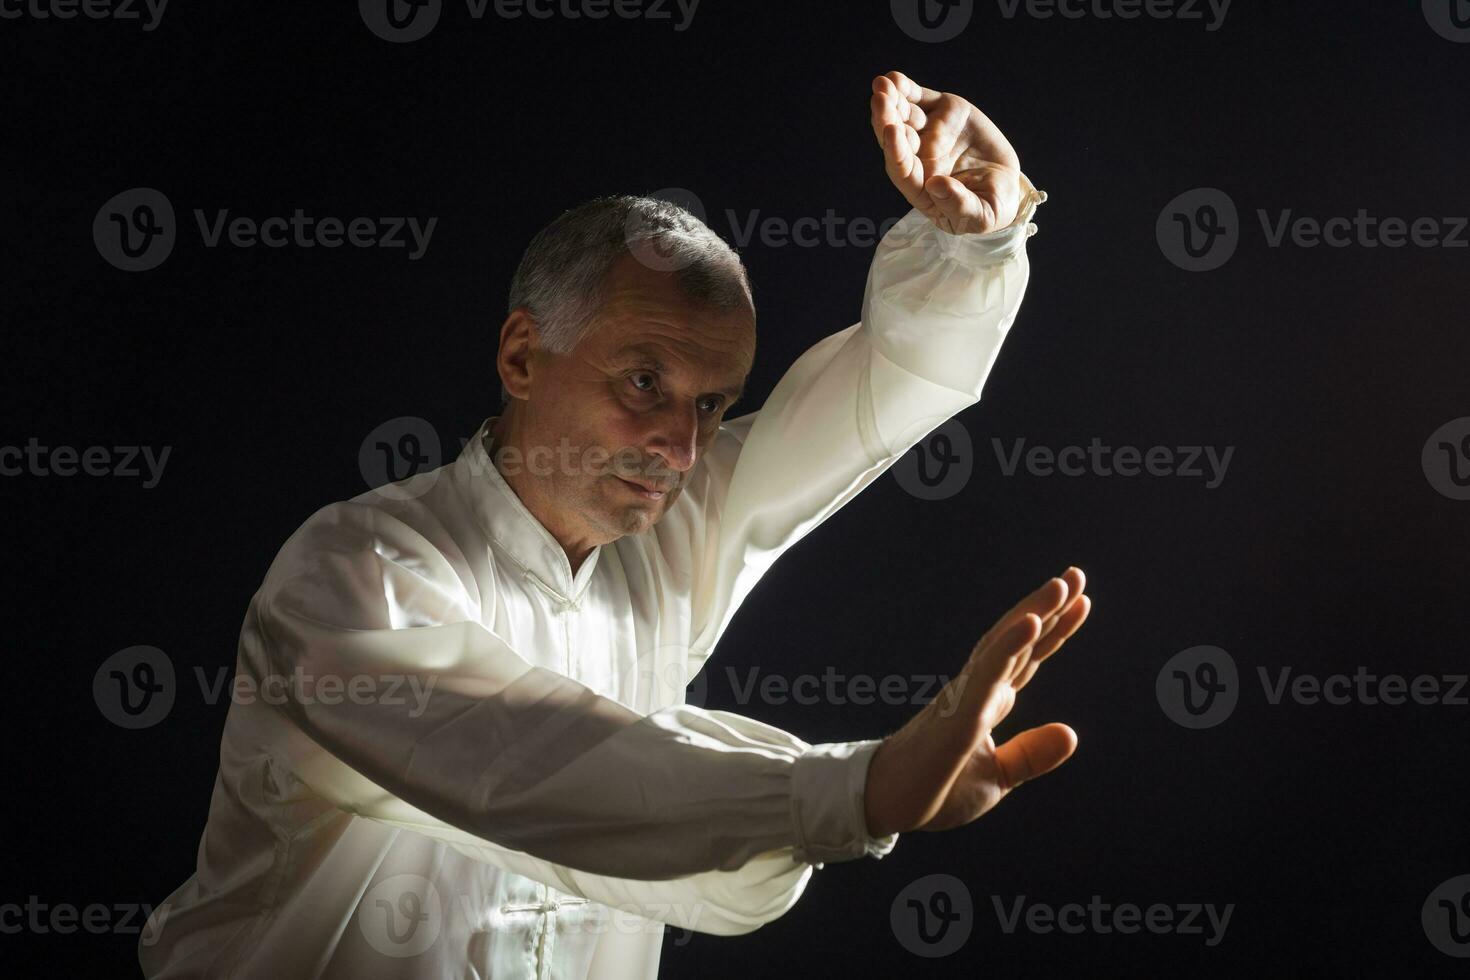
column 962, row 210
column 1035, row 752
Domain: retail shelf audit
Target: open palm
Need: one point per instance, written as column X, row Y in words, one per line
column 943, row 769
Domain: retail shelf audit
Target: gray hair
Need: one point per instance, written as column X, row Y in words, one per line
column 563, row 276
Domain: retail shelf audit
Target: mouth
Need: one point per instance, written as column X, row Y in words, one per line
column 649, row 491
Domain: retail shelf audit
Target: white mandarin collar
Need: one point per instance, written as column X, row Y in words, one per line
column 523, row 539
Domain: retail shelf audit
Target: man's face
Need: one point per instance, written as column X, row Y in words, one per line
column 636, row 402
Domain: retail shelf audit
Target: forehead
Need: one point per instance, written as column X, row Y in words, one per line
column 645, row 317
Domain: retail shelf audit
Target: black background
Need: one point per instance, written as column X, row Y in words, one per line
column 1325, row 548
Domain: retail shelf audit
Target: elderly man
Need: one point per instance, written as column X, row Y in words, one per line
column 549, row 803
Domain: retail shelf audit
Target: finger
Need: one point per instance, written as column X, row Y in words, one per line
column 1075, row 582
column 962, row 211
column 926, row 98
column 991, row 667
column 883, row 108
column 1067, row 624
column 896, row 102
column 1041, row 602
column 1034, row 752
column 1075, row 579
column 902, row 166
column 1045, row 602
column 999, row 191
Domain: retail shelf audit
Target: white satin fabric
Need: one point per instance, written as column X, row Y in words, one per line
column 534, row 799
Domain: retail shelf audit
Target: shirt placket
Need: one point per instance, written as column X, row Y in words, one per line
column 565, row 609
column 546, row 907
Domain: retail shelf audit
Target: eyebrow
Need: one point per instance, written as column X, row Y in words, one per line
column 644, row 356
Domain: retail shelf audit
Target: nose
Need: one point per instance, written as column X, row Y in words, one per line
column 674, row 436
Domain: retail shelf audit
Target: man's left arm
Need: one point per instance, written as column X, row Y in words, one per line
column 942, row 292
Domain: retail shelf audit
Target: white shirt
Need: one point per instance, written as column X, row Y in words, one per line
column 515, row 787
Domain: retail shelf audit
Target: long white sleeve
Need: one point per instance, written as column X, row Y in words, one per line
column 463, row 752
column 935, row 312
column 527, row 769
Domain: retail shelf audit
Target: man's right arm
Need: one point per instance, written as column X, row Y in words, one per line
column 521, row 766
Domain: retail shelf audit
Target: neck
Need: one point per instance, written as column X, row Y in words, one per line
column 506, row 431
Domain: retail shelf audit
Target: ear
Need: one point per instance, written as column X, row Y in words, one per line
column 518, row 342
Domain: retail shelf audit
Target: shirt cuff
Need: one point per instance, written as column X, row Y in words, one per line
column 996, row 246
column 827, row 803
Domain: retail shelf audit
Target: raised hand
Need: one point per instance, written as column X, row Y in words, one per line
column 945, row 156
column 943, row 768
